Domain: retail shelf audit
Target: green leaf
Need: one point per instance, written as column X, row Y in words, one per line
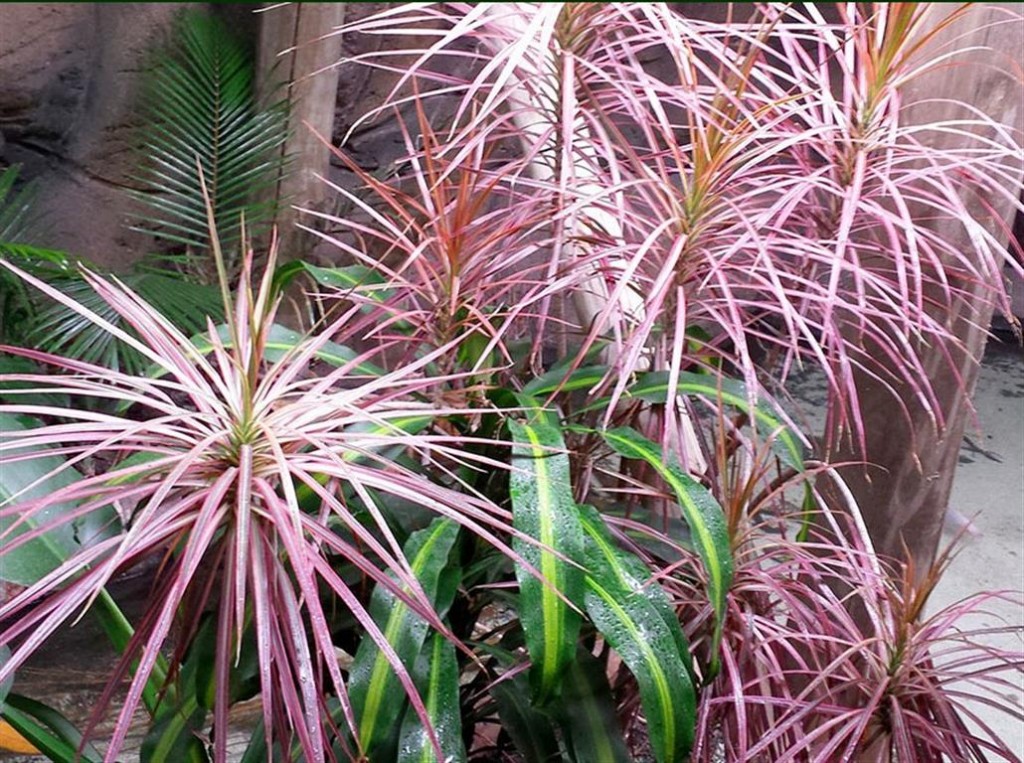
column 29, row 562
column 586, row 712
column 280, row 341
column 530, row 730
column 375, row 692
column 620, row 570
column 365, row 281
column 702, row 513
column 199, row 102
column 654, row 387
column 543, row 509
column 557, row 380
column 49, row 731
column 437, row 680
column 27, row 394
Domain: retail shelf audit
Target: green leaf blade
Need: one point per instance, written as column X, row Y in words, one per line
column 543, row 509
column 701, row 512
column 375, row 692
column 437, row 679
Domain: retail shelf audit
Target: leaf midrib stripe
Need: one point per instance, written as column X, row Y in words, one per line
column 548, row 563
column 381, row 666
column 660, row 681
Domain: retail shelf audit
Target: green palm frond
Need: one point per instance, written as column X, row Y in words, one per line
column 29, row 319
column 16, row 216
column 58, row 329
column 200, row 103
column 17, row 221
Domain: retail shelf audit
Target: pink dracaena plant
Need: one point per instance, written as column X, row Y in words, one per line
column 451, row 250
column 748, row 188
column 827, row 654
column 253, row 480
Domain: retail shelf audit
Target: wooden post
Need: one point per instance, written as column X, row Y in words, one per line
column 904, row 492
column 295, row 51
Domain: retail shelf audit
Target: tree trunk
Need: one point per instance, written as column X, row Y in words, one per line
column 296, row 53
column 904, row 490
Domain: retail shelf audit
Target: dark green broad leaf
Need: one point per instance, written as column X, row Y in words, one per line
column 310, row 501
column 437, row 680
column 36, row 478
column 654, row 387
column 5, row 685
column 377, row 696
column 368, row 283
column 544, row 510
column 173, row 737
column 531, row 731
column 26, row 393
column 702, row 513
column 636, row 617
column 48, row 731
column 557, row 380
column 138, row 458
column 281, row 340
column 350, row 277
column 586, row 713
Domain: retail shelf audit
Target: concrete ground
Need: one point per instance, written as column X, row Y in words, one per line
column 989, row 489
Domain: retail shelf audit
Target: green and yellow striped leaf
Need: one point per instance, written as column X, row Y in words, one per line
column 654, row 387
column 636, row 617
column 543, row 509
column 437, row 679
column 702, row 513
column 378, row 698
column 785, row 443
column 643, row 643
column 557, row 380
